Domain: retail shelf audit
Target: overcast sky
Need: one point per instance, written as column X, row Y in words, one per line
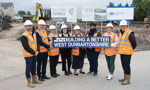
column 29, row 5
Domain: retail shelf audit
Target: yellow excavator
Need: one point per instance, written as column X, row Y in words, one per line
column 45, row 17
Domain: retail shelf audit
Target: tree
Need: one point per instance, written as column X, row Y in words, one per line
column 28, row 13
column 21, row 13
column 127, row 4
column 111, row 4
column 119, row 4
column 141, row 9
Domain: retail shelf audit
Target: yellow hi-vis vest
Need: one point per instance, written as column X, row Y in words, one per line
column 111, row 50
column 53, row 51
column 124, row 45
column 32, row 43
column 75, row 51
column 44, row 39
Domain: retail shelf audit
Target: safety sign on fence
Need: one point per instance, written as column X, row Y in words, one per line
column 81, row 42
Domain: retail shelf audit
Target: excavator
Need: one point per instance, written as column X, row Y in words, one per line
column 45, row 16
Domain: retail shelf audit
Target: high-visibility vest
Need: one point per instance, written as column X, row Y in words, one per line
column 124, row 45
column 53, row 51
column 75, row 51
column 60, row 35
column 32, row 43
column 111, row 50
column 96, row 49
column 44, row 39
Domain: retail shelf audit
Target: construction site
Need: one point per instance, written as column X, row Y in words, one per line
column 12, row 63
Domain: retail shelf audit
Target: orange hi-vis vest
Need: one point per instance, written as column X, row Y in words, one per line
column 75, row 51
column 96, row 49
column 32, row 43
column 124, row 45
column 111, row 50
column 53, row 51
column 44, row 39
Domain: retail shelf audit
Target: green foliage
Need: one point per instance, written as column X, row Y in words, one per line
column 119, row 4
column 142, row 9
column 22, row 13
column 111, row 4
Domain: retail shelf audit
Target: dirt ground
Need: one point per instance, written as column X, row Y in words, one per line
column 12, row 67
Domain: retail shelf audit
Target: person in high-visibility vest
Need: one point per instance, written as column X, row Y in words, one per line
column 110, row 53
column 53, row 53
column 93, row 53
column 43, row 44
column 78, row 53
column 65, row 52
column 126, row 45
column 30, row 52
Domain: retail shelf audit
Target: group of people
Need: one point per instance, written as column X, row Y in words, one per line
column 37, row 46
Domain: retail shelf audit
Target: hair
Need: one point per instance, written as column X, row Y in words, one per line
column 62, row 31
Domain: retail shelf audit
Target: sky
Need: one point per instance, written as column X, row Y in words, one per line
column 29, row 5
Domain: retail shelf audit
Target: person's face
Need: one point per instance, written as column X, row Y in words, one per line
column 92, row 27
column 28, row 27
column 123, row 27
column 109, row 29
column 53, row 31
column 76, row 32
column 41, row 27
column 65, row 30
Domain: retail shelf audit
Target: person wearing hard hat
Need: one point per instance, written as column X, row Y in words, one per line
column 110, row 53
column 53, row 53
column 65, row 52
column 43, row 43
column 30, row 52
column 93, row 53
column 126, row 45
column 78, row 53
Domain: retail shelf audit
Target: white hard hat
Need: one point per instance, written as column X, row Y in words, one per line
column 41, row 22
column 52, row 27
column 28, row 22
column 123, row 22
column 64, row 26
column 76, row 27
column 109, row 25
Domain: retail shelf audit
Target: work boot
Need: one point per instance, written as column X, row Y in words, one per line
column 121, row 80
column 30, row 83
column 35, row 80
column 127, row 80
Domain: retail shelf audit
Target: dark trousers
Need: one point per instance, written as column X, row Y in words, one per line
column 42, row 62
column 125, row 61
column 78, row 62
column 30, row 66
column 65, row 58
column 110, row 63
column 93, row 60
column 53, row 64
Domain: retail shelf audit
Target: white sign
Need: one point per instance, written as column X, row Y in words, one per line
column 87, row 14
column 119, row 13
column 93, row 14
column 64, row 12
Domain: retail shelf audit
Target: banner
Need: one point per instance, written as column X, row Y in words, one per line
column 93, row 14
column 81, row 42
column 117, row 13
column 66, row 13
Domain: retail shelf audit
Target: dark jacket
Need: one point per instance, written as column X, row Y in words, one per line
column 66, row 51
